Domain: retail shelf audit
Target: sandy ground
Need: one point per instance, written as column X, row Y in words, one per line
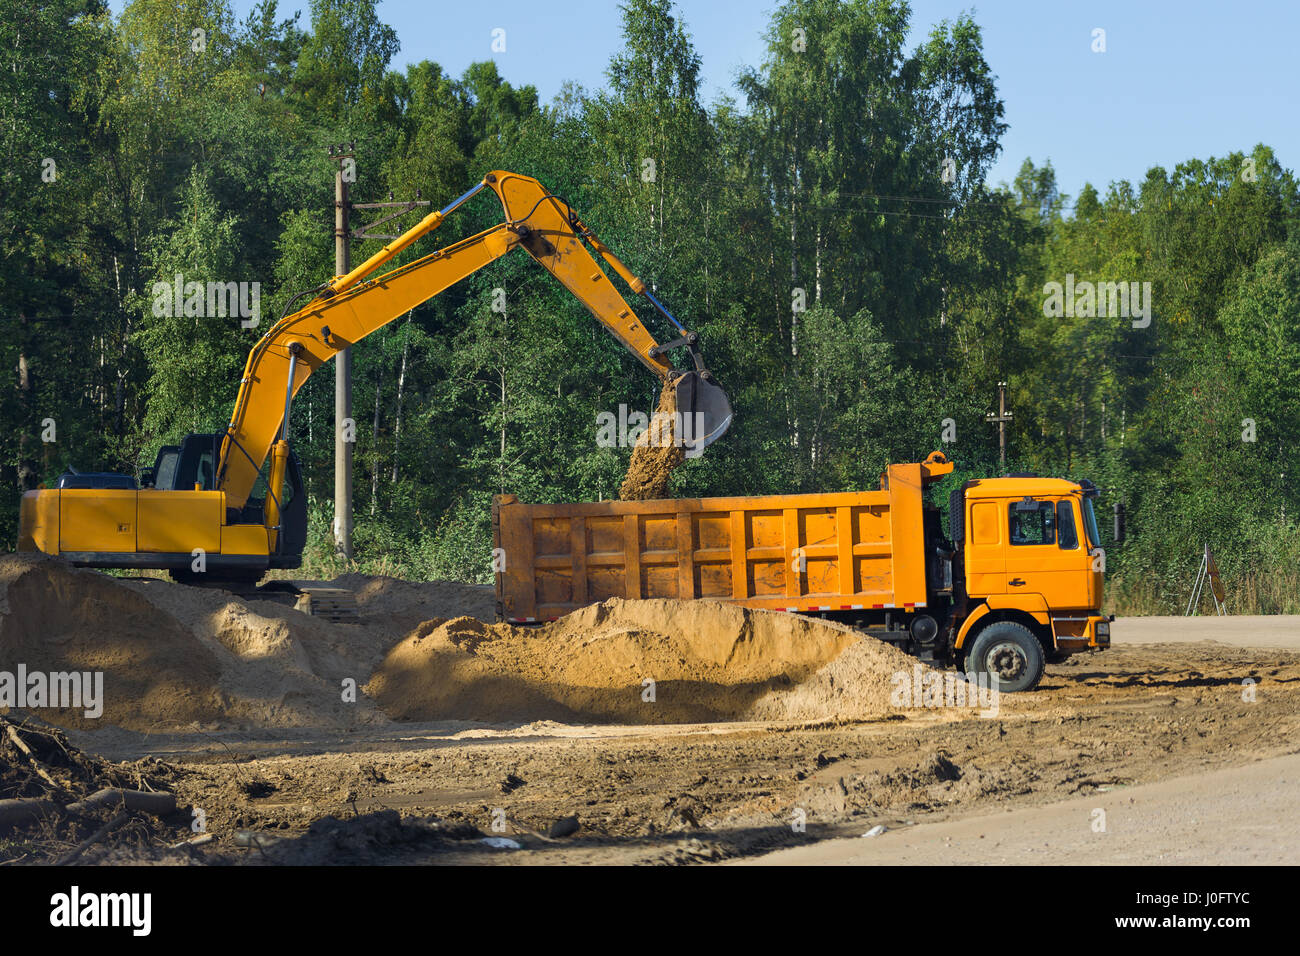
column 1282, row 630
column 768, row 735
column 1242, row 816
column 1166, row 725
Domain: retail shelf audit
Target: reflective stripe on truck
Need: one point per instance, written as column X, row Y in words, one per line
column 848, row 607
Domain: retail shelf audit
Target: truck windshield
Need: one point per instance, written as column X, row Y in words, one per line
column 1090, row 523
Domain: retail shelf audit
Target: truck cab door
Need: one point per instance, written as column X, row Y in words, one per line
column 1046, row 551
column 985, row 553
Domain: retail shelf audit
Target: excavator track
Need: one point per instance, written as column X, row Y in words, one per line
column 316, row 598
column 333, row 604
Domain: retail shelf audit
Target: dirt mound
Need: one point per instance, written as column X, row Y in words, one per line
column 856, row 685
column 655, row 454
column 185, row 658
column 384, row 836
column 57, row 619
column 173, row 658
column 404, row 604
column 642, row 662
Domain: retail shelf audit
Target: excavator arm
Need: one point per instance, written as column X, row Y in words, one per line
column 352, row 306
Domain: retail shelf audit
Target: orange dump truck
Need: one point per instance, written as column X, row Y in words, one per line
column 1018, row 579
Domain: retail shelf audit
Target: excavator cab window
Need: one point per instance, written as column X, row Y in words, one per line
column 164, row 469
column 198, row 452
column 257, row 497
column 254, row 511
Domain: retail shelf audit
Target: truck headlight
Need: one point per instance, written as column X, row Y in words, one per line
column 1103, row 629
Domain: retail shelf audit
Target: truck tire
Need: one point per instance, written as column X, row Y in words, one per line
column 1012, row 652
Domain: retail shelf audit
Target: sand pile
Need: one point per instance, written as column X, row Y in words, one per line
column 856, row 685
column 185, row 658
column 404, row 604
column 707, row 661
column 57, row 619
column 655, row 454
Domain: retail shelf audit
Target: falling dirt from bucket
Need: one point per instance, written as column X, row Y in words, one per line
column 657, row 452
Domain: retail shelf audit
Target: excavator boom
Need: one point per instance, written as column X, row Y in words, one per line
column 354, row 305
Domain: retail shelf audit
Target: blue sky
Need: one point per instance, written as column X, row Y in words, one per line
column 1179, row 78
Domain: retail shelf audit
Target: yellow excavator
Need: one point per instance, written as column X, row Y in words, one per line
column 213, row 504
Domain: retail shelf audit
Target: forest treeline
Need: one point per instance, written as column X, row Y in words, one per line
column 827, row 228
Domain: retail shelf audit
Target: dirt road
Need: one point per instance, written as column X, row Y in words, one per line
column 1097, row 732
column 1282, row 630
column 1242, row 816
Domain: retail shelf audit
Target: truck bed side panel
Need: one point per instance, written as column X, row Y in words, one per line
column 796, row 552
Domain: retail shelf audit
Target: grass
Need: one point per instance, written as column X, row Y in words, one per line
column 1276, row 591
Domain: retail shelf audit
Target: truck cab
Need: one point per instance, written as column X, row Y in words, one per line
column 1031, row 558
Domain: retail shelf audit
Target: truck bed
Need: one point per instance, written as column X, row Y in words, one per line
column 811, row 552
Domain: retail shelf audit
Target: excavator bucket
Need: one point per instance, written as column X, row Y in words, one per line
column 704, row 409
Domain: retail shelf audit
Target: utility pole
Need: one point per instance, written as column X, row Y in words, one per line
column 1001, row 417
column 344, row 155
column 343, row 423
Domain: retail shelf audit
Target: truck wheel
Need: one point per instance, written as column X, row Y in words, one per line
column 1010, row 651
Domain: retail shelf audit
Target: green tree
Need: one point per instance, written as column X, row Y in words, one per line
column 341, row 65
column 196, row 357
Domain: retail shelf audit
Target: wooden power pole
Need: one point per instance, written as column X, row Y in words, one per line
column 1000, row 418
column 344, row 427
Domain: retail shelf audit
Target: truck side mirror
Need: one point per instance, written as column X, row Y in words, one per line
column 147, row 477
